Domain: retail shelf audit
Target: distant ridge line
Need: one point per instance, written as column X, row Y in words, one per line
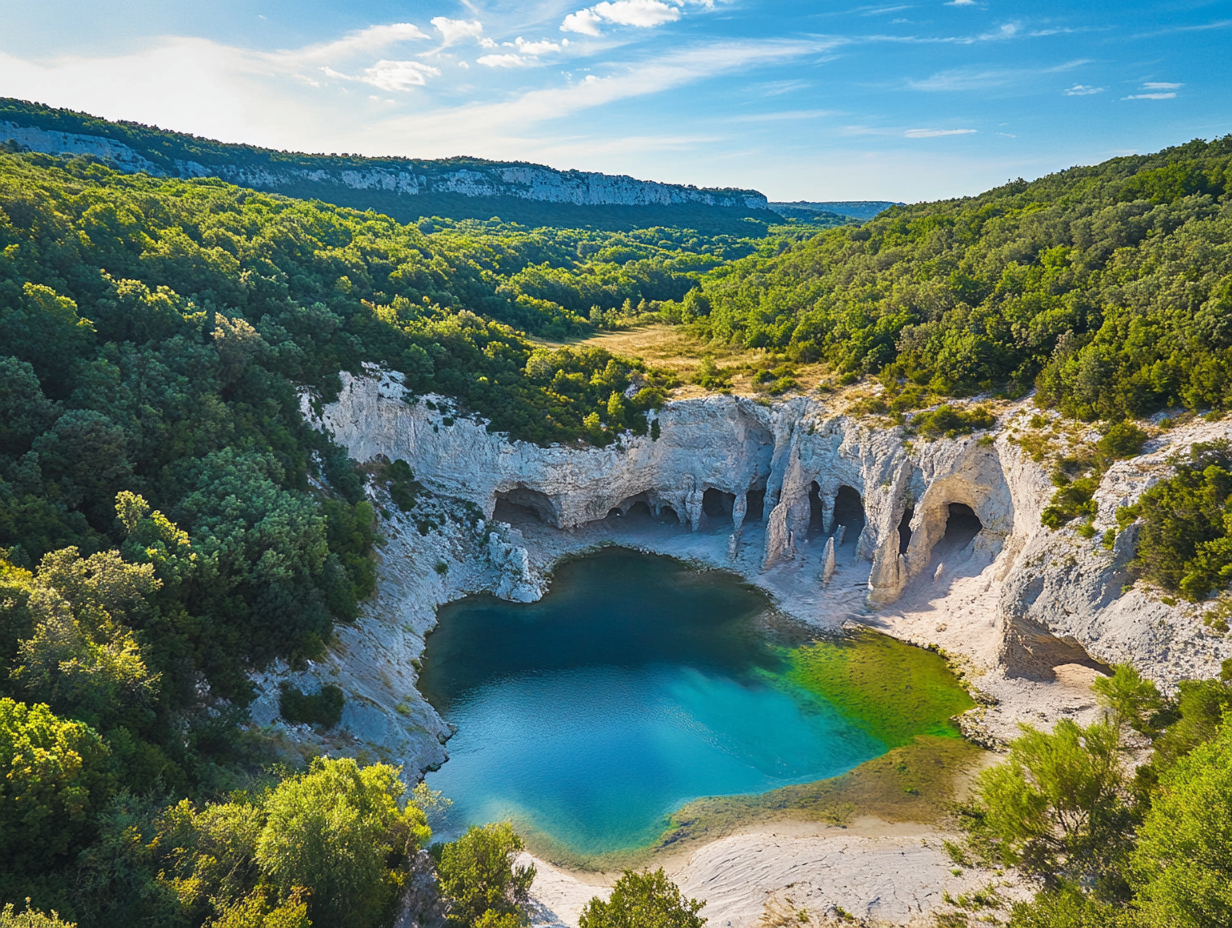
column 407, row 185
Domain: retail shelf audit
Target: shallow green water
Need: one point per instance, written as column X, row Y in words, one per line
column 633, row 687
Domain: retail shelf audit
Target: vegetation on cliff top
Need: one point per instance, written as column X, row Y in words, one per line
column 1108, row 287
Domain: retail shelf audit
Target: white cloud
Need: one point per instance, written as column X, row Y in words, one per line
column 502, row 61
column 455, row 30
column 961, row 3
column 963, row 79
column 488, row 43
column 935, row 133
column 508, row 126
column 533, row 48
column 1082, row 90
column 364, row 41
column 640, row 13
column 1160, row 90
column 583, row 22
column 398, row 75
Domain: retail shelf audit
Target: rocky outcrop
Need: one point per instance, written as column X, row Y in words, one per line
column 402, row 177
column 864, row 494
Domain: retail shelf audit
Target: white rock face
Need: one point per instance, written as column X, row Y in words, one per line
column 519, row 581
column 1029, row 613
column 522, row 181
column 1059, row 596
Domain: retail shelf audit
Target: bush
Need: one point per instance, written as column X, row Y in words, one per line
column 30, row 918
column 643, row 900
column 1184, row 545
column 324, row 707
column 952, row 421
column 478, row 878
column 1183, row 862
column 339, row 831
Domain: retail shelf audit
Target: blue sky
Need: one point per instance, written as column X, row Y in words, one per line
column 895, row 100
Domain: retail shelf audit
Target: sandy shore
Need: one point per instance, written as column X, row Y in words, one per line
column 893, row 873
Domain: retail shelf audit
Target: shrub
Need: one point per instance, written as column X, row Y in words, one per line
column 324, row 707
column 643, row 900
column 479, row 879
column 952, row 421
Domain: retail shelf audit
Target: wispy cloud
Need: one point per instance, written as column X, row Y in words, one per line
column 454, row 31
column 390, row 75
column 936, row 133
column 785, row 115
column 1156, row 90
column 368, row 41
column 964, row 79
column 1082, row 90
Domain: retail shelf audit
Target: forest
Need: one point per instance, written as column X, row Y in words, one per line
column 169, row 524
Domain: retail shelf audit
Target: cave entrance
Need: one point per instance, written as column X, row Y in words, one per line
column 756, row 501
column 522, row 504
column 904, row 530
column 640, row 509
column 961, row 526
column 717, row 505
column 668, row 514
column 849, row 512
column 817, row 514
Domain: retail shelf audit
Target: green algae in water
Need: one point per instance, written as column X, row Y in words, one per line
column 638, row 685
column 895, row 691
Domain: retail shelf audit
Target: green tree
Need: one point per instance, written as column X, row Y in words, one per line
column 1183, row 862
column 1057, row 807
column 338, row 829
column 1130, row 699
column 81, row 657
column 31, row 918
column 643, row 900
column 478, row 877
column 53, row 779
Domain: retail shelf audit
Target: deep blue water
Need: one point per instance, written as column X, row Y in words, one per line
column 633, row 687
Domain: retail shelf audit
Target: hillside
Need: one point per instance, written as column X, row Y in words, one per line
column 1109, row 287
column 861, row 210
column 404, row 188
column 171, row 527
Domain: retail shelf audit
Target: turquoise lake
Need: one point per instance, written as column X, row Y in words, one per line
column 634, row 686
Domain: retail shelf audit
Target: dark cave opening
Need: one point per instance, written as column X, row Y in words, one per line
column 522, row 504
column 756, row 500
column 904, row 530
column 961, row 527
column 718, row 505
column 849, row 512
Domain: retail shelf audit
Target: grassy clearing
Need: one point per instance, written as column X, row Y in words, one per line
column 673, row 349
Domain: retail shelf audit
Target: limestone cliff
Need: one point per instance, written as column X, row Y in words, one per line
column 403, row 178
column 838, row 520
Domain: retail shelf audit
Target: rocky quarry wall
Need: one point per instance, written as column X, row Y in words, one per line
column 775, row 482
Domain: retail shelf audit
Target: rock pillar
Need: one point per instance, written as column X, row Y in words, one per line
column 827, row 563
column 827, row 513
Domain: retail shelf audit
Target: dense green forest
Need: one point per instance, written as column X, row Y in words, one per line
column 1108, row 287
column 169, row 524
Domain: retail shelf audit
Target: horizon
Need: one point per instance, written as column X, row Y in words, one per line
column 900, row 102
